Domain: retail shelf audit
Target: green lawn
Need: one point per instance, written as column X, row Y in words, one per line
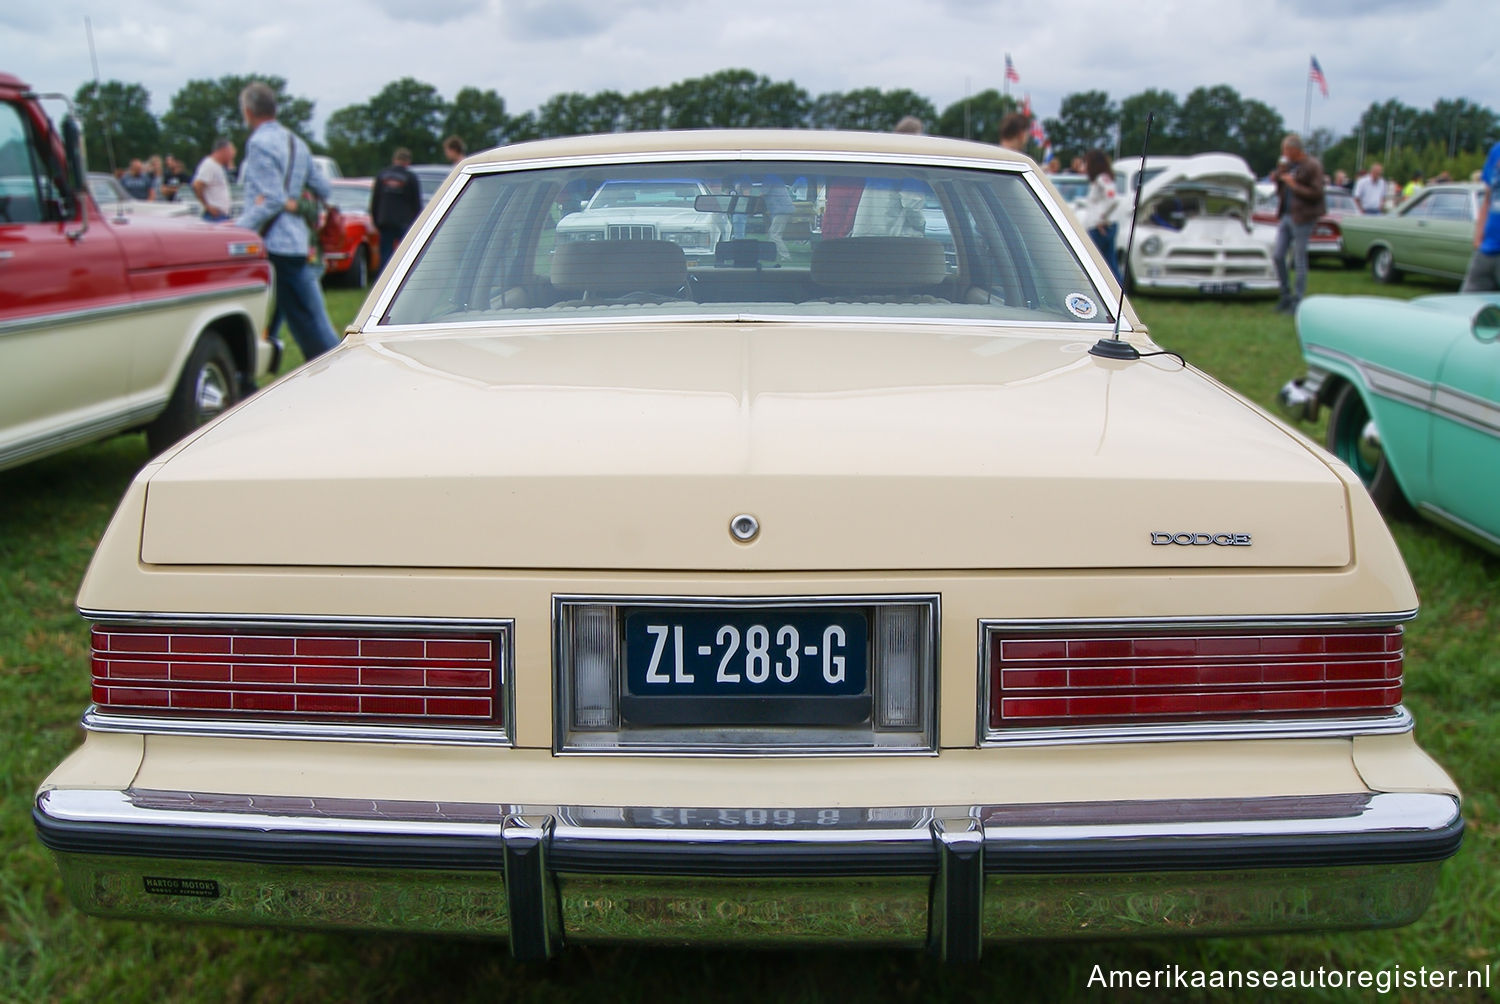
column 53, row 511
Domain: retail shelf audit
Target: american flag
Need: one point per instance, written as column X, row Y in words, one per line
column 1010, row 71
column 1026, row 106
column 1039, row 132
column 1315, row 74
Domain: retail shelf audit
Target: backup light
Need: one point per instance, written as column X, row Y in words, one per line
column 898, row 677
column 595, row 690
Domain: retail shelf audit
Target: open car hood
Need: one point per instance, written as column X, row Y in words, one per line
column 1223, row 172
column 857, row 446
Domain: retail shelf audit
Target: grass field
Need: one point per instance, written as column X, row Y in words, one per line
column 53, row 511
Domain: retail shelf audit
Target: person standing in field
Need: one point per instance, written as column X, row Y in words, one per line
column 1300, row 185
column 278, row 166
column 395, row 202
column 1484, row 267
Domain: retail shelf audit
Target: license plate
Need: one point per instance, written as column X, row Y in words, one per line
column 1223, row 288
column 747, row 652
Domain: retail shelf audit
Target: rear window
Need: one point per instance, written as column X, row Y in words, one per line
column 739, row 238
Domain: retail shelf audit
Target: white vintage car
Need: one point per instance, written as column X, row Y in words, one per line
column 857, row 599
column 1193, row 231
column 653, row 209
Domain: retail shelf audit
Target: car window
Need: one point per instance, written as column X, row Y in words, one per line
column 1422, row 207
column 20, row 199
column 349, row 198
column 1451, row 206
column 748, row 237
column 104, row 192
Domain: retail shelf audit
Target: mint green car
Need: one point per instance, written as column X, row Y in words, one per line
column 1431, row 233
column 1414, row 392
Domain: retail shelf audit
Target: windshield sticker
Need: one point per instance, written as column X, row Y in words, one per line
column 1081, row 306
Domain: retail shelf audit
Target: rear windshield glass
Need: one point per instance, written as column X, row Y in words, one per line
column 742, row 237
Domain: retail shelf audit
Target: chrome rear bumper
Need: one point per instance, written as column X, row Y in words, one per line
column 948, row 878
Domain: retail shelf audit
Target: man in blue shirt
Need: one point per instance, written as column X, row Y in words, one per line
column 278, row 166
column 1484, row 267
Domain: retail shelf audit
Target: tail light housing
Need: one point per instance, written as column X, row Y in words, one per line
column 1179, row 675
column 328, row 674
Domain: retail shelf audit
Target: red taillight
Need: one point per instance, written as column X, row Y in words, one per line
column 1052, row 679
column 350, row 675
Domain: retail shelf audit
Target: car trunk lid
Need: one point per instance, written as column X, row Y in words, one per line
column 855, row 446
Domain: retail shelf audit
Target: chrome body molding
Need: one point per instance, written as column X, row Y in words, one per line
column 948, row 877
column 1399, row 721
column 53, row 442
column 61, row 317
column 1437, row 399
column 97, row 720
column 1459, row 526
column 1051, row 206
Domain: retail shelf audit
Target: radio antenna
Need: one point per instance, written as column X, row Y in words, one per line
column 103, row 109
column 1114, row 347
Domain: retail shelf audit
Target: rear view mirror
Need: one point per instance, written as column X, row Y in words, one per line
column 747, row 205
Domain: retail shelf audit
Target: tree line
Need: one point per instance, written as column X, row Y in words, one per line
column 413, row 114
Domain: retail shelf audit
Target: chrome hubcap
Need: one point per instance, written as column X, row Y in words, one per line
column 211, row 393
column 1370, row 452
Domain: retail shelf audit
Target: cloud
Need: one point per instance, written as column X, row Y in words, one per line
column 550, row 20
column 1344, row 10
column 429, row 11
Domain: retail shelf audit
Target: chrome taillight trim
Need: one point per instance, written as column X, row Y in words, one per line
column 683, row 745
column 1398, row 721
column 96, row 719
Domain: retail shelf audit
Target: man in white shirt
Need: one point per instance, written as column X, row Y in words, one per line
column 211, row 181
column 1370, row 191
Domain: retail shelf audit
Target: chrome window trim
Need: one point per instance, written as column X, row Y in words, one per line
column 22, row 324
column 460, row 179
column 96, row 720
column 562, row 688
column 1084, row 330
column 1399, row 721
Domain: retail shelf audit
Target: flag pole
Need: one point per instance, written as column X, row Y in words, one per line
column 1307, row 108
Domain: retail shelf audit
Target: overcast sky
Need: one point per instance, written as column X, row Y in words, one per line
column 342, row 52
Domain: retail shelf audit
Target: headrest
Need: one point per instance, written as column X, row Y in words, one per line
column 878, row 264
column 743, row 253
column 611, row 268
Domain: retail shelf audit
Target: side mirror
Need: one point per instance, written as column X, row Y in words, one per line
column 1486, row 323
column 72, row 137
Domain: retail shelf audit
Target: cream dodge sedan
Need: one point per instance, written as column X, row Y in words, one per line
column 858, row 598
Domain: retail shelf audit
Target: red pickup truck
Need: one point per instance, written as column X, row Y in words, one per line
column 111, row 324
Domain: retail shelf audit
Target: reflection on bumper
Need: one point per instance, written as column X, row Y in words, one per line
column 948, row 878
column 1298, row 400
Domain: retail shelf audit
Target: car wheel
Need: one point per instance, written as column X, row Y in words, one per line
column 1354, row 438
column 1383, row 266
column 205, row 390
column 358, row 275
